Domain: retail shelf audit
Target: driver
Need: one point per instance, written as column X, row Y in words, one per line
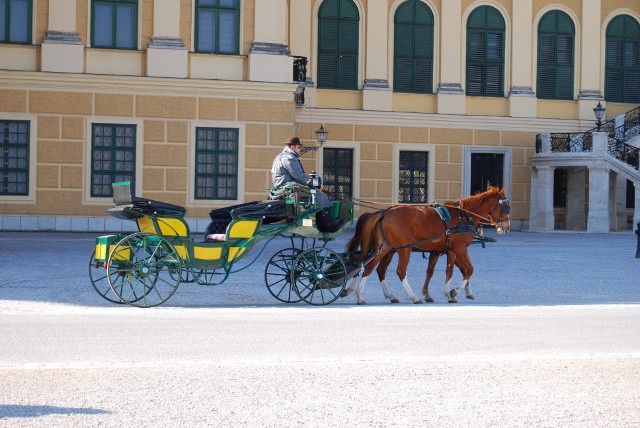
column 287, row 168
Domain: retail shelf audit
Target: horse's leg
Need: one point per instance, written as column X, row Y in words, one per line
column 466, row 268
column 405, row 255
column 451, row 262
column 431, row 267
column 365, row 275
column 382, row 273
column 350, row 287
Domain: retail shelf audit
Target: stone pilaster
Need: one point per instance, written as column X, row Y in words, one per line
column 589, row 81
column 451, row 99
column 522, row 99
column 62, row 49
column 167, row 56
column 270, row 59
column 376, row 93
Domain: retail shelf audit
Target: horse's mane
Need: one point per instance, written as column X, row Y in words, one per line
column 479, row 197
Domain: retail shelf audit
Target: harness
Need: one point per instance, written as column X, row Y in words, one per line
column 465, row 225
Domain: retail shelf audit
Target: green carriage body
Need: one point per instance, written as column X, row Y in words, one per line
column 163, row 252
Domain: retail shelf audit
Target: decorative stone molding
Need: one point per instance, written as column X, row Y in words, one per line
column 450, row 88
column 376, row 84
column 587, row 94
column 266, row 48
column 62, row 37
column 162, row 42
column 521, row 91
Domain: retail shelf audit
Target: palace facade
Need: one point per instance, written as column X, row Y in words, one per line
column 190, row 100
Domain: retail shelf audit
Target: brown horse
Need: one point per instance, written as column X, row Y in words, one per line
column 430, row 229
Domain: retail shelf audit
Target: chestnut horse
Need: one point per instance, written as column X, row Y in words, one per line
column 448, row 228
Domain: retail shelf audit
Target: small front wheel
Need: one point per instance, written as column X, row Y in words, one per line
column 319, row 276
column 144, row 270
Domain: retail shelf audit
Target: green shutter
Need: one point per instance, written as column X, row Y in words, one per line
column 338, row 44
column 413, row 48
column 555, row 56
column 622, row 72
column 485, row 52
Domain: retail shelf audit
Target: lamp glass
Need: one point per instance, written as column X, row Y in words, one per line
column 599, row 111
column 321, row 135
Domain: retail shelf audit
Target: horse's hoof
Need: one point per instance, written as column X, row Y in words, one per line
column 428, row 300
column 362, row 302
column 417, row 302
column 344, row 293
column 471, row 297
column 394, row 300
column 452, row 300
column 453, row 293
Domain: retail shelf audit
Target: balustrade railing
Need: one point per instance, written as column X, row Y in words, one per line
column 576, row 142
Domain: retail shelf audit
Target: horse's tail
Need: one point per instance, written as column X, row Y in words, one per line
column 364, row 237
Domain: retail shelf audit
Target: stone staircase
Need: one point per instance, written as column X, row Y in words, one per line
column 613, row 147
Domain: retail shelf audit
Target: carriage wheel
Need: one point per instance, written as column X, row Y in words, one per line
column 99, row 279
column 277, row 275
column 319, row 276
column 144, row 270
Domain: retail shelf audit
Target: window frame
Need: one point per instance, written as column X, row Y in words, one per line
column 556, row 36
column 414, row 59
column 625, row 71
column 336, row 195
column 431, row 159
column 217, row 37
column 412, row 185
column 6, row 37
column 5, row 146
column 114, row 25
column 124, row 176
column 355, row 169
column 506, row 170
column 343, row 61
column 216, row 175
column 484, row 64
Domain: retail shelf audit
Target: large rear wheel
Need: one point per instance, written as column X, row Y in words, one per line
column 98, row 275
column 144, row 270
column 319, row 276
column 277, row 275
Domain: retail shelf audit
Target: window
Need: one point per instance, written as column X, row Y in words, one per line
column 217, row 26
column 113, row 157
column 337, row 167
column 15, row 21
column 485, row 52
column 114, row 24
column 338, row 24
column 555, row 56
column 14, row 157
column 216, row 173
column 622, row 74
column 487, row 169
column 413, row 50
column 414, row 177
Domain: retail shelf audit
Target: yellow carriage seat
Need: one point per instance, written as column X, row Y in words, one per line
column 240, row 231
column 175, row 229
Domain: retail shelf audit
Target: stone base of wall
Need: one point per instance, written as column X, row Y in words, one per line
column 22, row 223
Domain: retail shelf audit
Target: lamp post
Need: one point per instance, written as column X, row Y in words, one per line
column 321, row 136
column 599, row 112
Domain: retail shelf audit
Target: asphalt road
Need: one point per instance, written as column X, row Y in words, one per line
column 553, row 346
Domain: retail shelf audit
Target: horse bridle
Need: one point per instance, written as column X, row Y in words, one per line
column 505, row 213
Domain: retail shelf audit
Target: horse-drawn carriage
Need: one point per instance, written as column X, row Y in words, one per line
column 145, row 268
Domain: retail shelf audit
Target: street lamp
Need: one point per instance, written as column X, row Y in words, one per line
column 599, row 112
column 321, row 136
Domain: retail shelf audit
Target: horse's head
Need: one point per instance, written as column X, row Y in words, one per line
column 500, row 215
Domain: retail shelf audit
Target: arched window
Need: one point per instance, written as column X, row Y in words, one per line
column 338, row 22
column 556, row 35
column 485, row 52
column 622, row 74
column 413, row 48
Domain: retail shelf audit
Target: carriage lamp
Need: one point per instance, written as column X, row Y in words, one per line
column 599, row 112
column 321, row 136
